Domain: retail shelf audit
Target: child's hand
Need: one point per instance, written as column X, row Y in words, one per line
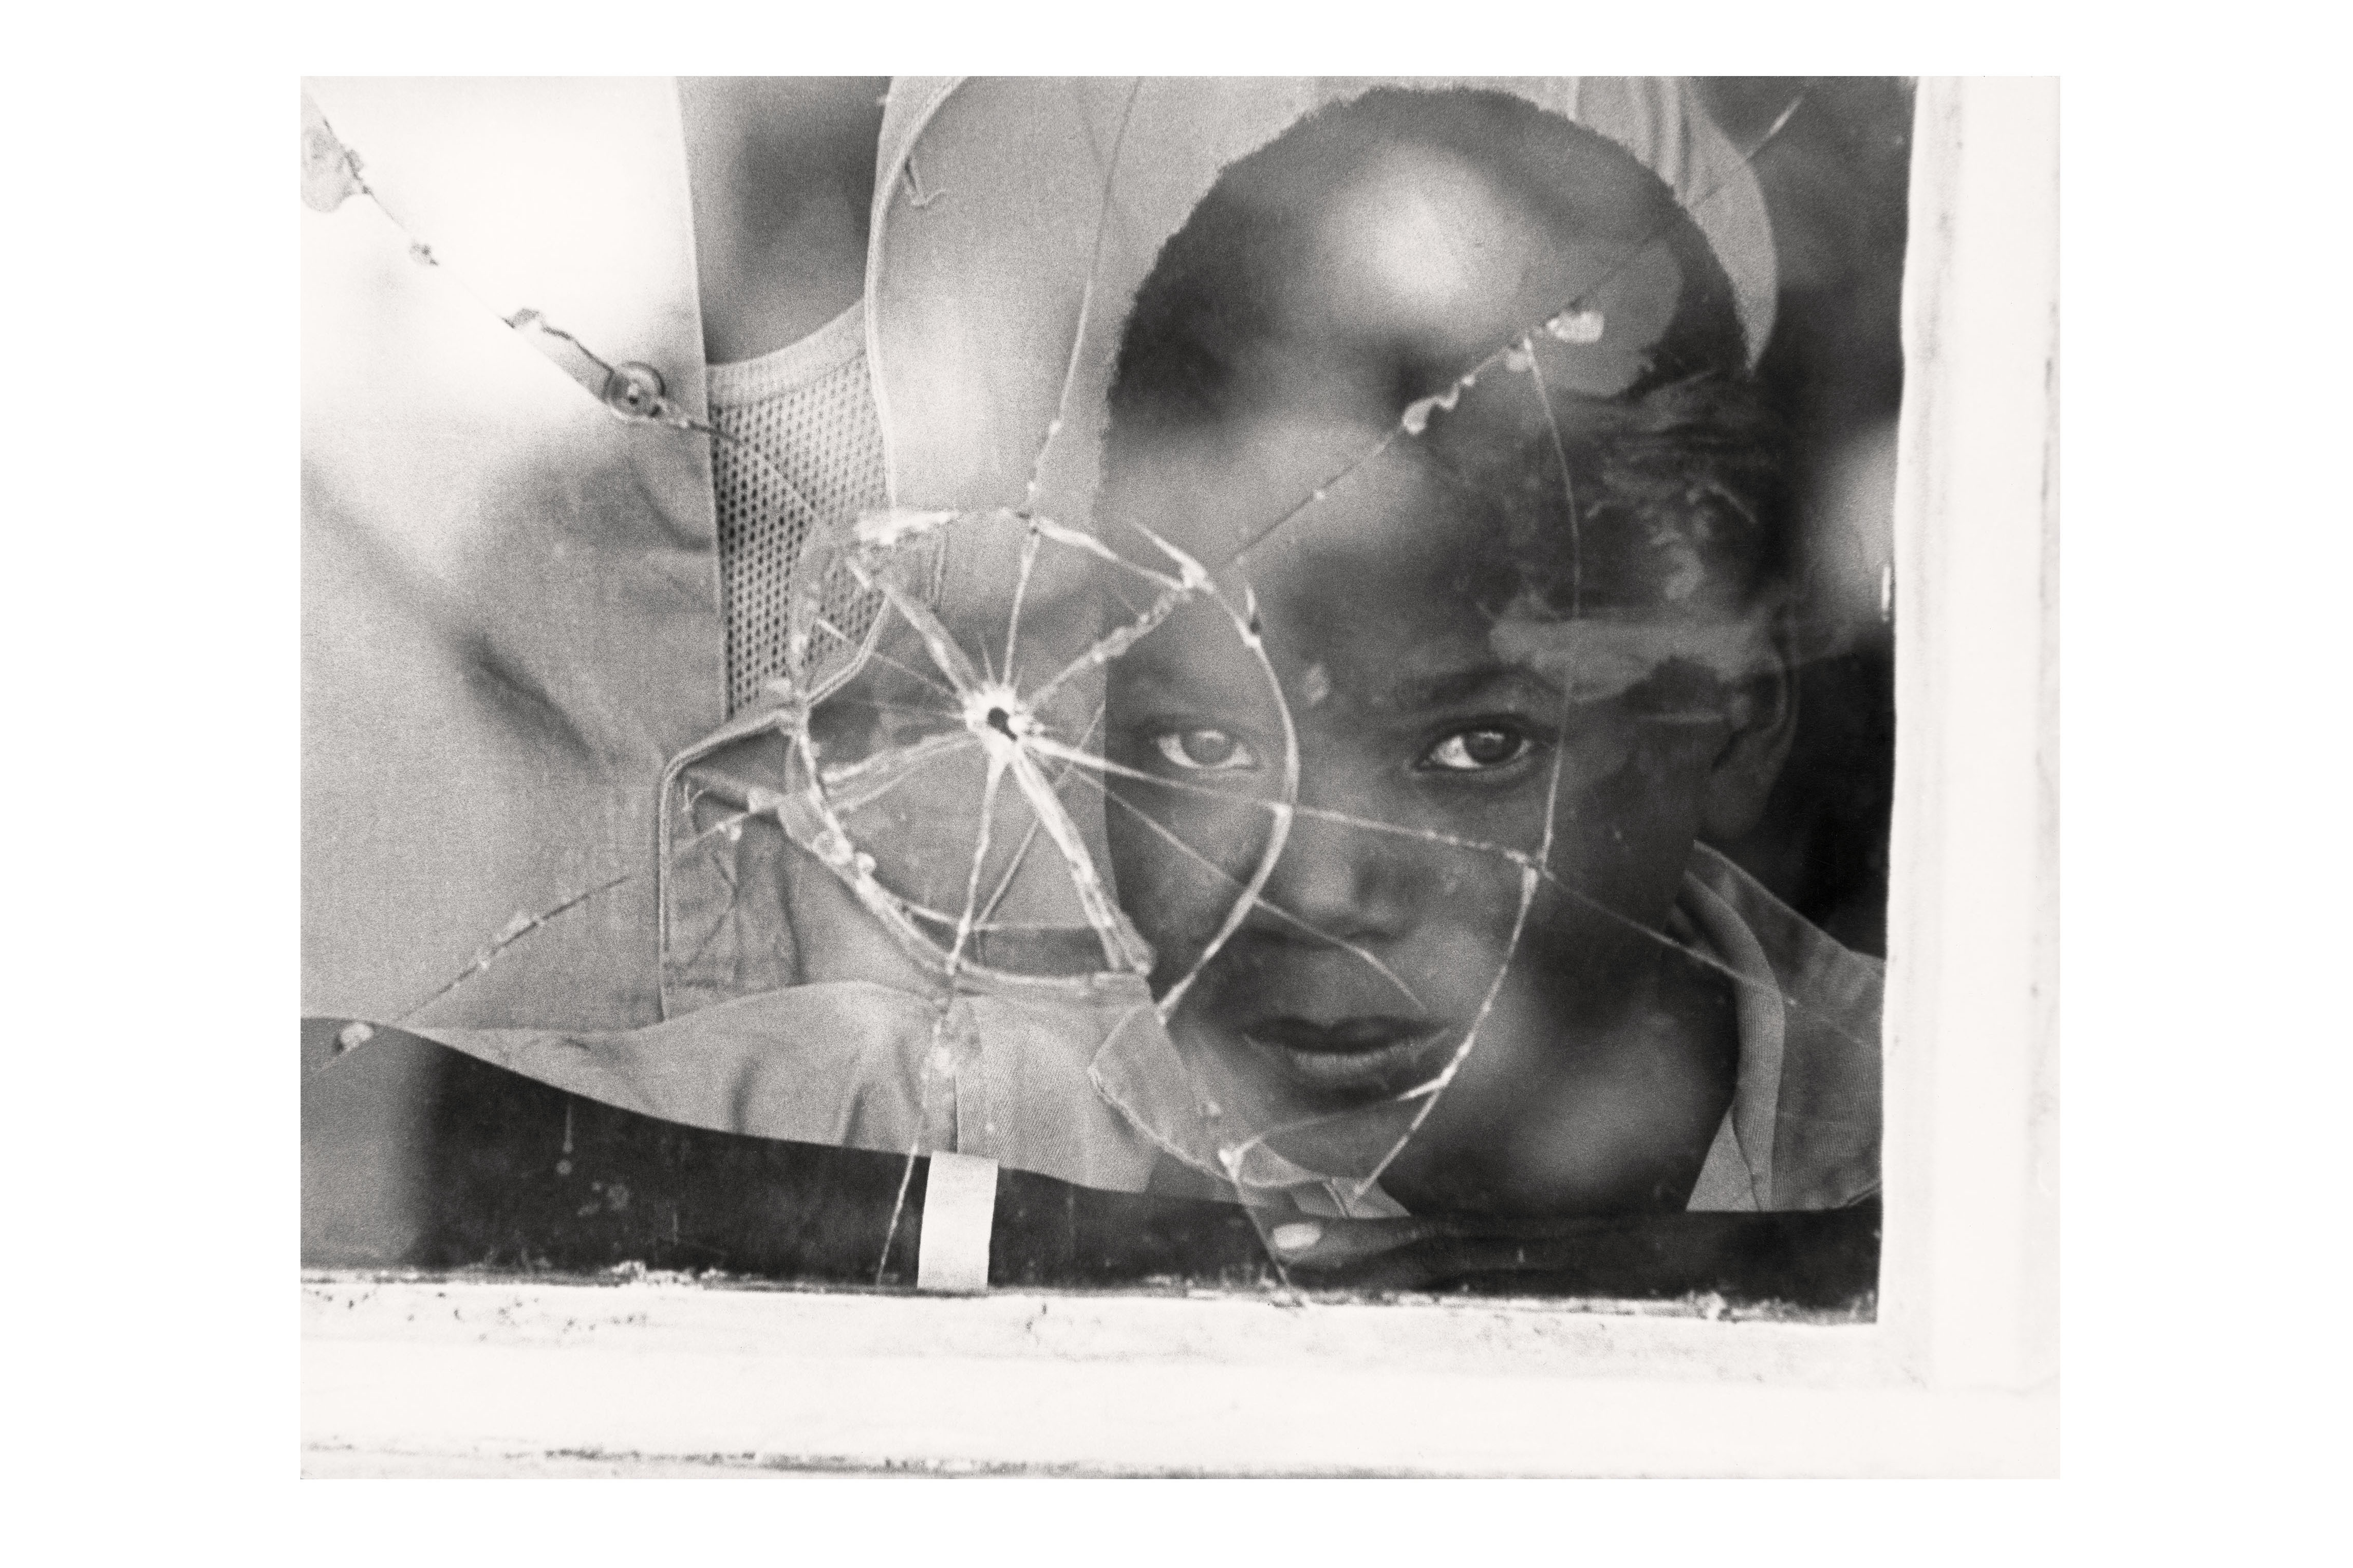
column 1821, row 1258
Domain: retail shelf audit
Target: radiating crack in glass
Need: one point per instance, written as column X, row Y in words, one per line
column 526, row 922
column 1280, row 809
column 725, row 867
column 900, row 767
column 1529, row 875
column 1002, row 736
column 1029, row 542
column 654, row 408
column 1526, row 360
column 898, row 1209
column 1086, row 301
column 996, row 779
column 786, row 686
column 523, row 925
column 824, row 836
column 1030, row 837
column 1005, row 724
column 1371, row 825
column 871, row 705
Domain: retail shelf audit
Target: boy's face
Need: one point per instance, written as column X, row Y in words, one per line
column 1392, row 922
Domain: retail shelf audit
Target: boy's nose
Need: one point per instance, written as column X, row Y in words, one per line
column 1348, row 882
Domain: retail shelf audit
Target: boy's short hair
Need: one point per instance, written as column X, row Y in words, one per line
column 1674, row 481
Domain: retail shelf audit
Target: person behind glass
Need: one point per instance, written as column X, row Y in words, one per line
column 1546, row 622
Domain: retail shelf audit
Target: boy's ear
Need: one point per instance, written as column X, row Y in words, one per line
column 1762, row 713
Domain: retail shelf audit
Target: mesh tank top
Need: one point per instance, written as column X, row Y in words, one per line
column 807, row 412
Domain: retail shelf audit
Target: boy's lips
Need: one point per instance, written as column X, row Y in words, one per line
column 1361, row 1054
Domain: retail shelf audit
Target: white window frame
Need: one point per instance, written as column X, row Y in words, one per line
column 1958, row 1374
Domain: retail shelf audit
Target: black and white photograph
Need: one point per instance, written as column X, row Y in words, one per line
column 1155, row 726
column 1278, row 781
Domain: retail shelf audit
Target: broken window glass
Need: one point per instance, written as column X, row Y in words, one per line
column 1297, row 771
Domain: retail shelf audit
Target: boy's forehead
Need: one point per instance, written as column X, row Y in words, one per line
column 1216, row 490
column 1279, row 490
column 1332, row 648
column 1380, row 584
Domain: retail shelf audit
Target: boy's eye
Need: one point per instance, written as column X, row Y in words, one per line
column 1205, row 750
column 1475, row 750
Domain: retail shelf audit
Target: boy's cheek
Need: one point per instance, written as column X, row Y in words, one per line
column 1533, row 1125
column 1620, row 854
column 1607, row 877
column 1178, row 900
column 1637, row 804
column 1459, row 1157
